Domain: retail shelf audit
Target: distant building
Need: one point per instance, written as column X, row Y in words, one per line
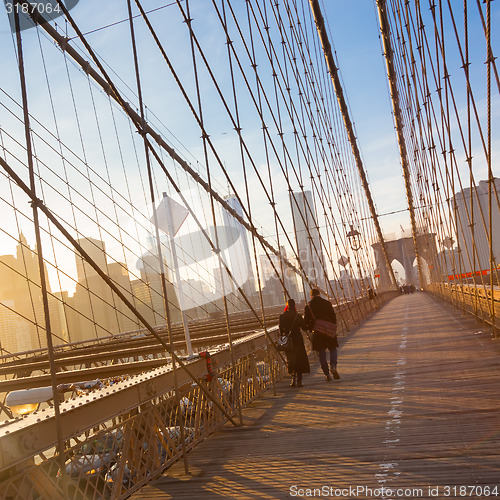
column 198, row 296
column 272, row 293
column 60, row 310
column 223, row 283
column 93, row 311
column 21, row 305
column 100, row 312
column 96, row 249
column 308, row 238
column 148, row 292
column 287, row 275
column 15, row 335
column 474, row 245
column 449, row 263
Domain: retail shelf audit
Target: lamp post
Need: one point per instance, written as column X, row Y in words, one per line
column 171, row 215
column 343, row 261
column 354, row 238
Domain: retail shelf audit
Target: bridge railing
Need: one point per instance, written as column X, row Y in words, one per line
column 482, row 301
column 118, row 438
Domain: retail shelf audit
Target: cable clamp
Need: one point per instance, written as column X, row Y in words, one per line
column 36, row 203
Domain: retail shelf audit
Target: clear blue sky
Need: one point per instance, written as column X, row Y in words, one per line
column 355, row 36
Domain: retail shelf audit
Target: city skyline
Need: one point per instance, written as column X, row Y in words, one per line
column 94, row 310
column 91, row 172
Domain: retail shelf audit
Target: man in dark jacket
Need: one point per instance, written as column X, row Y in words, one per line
column 319, row 308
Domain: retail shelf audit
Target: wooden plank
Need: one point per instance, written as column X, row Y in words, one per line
column 417, row 407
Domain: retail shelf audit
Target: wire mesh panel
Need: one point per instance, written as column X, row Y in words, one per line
column 118, row 456
column 173, row 194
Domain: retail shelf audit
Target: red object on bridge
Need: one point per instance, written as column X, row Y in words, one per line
column 208, row 359
column 452, row 277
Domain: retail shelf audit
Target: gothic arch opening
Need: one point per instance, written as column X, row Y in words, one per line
column 399, row 271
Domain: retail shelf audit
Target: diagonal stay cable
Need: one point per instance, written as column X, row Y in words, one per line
column 38, row 203
column 108, row 87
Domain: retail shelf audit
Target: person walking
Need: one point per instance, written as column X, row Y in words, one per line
column 297, row 361
column 319, row 308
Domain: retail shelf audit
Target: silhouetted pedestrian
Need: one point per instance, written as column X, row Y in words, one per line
column 290, row 323
column 322, row 309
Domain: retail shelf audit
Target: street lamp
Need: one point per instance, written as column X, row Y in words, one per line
column 26, row 401
column 448, row 243
column 354, row 238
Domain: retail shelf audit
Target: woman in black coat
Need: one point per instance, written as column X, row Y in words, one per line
column 297, row 360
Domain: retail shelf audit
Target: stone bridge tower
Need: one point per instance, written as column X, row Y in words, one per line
column 403, row 251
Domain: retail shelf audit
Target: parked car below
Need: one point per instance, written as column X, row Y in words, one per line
column 94, row 458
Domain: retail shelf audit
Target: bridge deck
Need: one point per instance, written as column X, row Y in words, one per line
column 417, row 407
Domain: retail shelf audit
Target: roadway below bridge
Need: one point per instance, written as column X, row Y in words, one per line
column 416, row 414
column 121, row 355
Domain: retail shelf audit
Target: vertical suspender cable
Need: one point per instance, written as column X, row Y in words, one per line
column 158, row 244
column 41, row 263
column 469, row 145
column 391, row 76
column 320, row 25
column 236, row 122
column 214, row 220
column 470, row 210
column 491, row 179
column 491, row 57
column 52, row 218
column 107, row 85
column 111, row 90
column 272, row 202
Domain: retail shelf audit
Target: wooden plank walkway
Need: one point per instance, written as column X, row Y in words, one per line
column 416, row 410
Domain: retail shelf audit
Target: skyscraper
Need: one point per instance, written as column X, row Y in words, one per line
column 96, row 249
column 148, row 290
column 474, row 246
column 308, row 238
column 22, row 317
column 15, row 335
column 100, row 311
